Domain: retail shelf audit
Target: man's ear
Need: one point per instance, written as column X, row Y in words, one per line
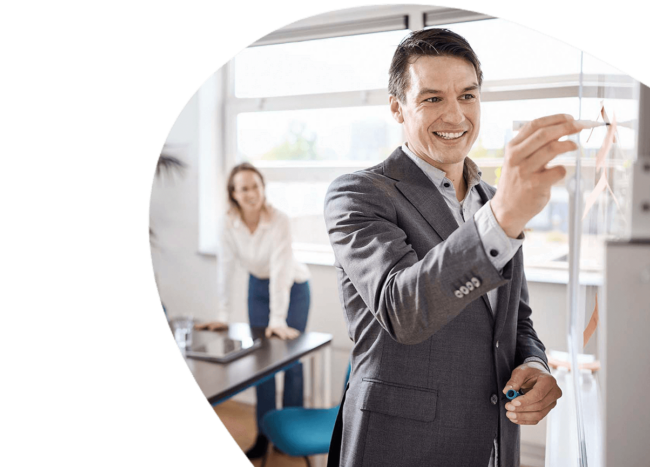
column 396, row 109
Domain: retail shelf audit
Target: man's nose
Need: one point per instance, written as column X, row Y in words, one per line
column 452, row 113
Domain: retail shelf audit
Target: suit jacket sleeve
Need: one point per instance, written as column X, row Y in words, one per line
column 529, row 347
column 412, row 298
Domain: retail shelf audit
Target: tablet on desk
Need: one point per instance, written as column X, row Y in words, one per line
column 219, row 347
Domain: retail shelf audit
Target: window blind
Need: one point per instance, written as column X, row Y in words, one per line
column 345, row 28
column 450, row 16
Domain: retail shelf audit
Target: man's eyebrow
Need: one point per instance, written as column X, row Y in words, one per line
column 471, row 87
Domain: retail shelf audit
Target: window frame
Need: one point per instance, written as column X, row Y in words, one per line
column 559, row 86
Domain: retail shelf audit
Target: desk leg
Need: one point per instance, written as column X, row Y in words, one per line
column 308, row 370
column 316, row 380
column 327, row 373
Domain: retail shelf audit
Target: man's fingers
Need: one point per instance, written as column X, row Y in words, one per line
column 536, row 124
column 536, row 399
column 517, row 380
column 523, row 374
column 537, row 161
column 549, row 399
column 540, row 138
column 530, row 418
column 553, row 175
column 543, row 393
column 537, row 393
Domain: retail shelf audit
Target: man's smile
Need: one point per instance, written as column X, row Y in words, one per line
column 449, row 135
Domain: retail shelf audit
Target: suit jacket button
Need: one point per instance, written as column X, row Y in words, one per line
column 458, row 293
column 494, row 399
column 476, row 282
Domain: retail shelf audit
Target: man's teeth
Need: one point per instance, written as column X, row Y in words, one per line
column 449, row 135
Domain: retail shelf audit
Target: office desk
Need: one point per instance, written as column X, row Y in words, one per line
column 221, row 381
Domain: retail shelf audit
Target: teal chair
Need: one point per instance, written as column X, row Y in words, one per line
column 301, row 432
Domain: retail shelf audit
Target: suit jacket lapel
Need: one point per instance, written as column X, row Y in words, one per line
column 503, row 292
column 421, row 193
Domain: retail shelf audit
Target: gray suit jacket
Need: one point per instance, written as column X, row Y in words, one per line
column 428, row 367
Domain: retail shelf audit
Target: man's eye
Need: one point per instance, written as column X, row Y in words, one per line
column 432, row 99
column 468, row 96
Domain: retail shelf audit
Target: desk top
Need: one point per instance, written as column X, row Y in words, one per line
column 219, row 381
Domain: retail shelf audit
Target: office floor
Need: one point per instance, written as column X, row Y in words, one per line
column 239, row 420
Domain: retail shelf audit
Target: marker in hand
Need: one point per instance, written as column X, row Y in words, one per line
column 587, row 124
column 512, row 394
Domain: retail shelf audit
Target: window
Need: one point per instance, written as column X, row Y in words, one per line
column 350, row 63
column 337, row 135
column 307, row 111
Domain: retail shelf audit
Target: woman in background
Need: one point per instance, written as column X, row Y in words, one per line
column 258, row 237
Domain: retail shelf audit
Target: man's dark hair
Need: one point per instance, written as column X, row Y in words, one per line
column 436, row 42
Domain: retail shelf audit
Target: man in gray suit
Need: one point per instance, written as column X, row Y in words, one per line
column 431, row 276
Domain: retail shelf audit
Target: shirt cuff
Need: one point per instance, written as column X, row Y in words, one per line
column 537, row 359
column 275, row 322
column 499, row 248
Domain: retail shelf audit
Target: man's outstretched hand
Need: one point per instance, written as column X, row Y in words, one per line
column 525, row 183
column 541, row 394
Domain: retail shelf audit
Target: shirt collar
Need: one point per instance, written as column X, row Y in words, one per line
column 471, row 172
column 265, row 218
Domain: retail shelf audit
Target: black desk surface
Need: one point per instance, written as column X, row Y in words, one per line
column 219, row 381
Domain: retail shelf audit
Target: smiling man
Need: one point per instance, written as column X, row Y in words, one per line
column 431, row 277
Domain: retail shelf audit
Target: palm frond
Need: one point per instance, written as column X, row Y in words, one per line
column 169, row 164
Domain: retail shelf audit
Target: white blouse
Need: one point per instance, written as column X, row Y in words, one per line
column 266, row 254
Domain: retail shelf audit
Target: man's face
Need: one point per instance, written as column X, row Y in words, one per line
column 442, row 112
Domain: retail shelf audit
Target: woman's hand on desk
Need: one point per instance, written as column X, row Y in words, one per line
column 283, row 332
column 211, row 326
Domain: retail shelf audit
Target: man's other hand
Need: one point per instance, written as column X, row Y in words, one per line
column 525, row 183
column 541, row 394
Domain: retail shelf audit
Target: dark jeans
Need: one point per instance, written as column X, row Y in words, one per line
column 258, row 315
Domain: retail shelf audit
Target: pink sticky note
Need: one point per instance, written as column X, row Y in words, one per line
column 593, row 196
column 607, row 145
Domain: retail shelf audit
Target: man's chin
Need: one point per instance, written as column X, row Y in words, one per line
column 449, row 158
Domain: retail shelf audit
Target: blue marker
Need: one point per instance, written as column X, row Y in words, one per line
column 512, row 394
